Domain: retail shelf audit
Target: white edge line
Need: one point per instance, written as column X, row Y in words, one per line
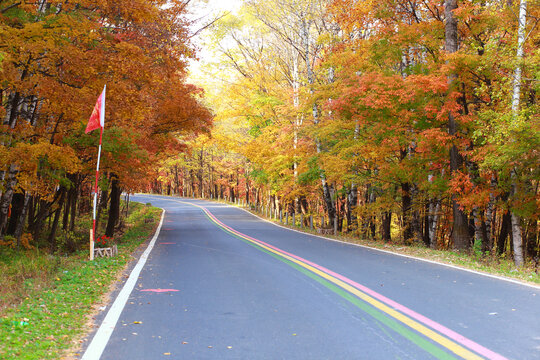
column 537, row 287
column 101, row 338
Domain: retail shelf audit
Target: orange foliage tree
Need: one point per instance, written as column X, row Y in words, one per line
column 56, row 57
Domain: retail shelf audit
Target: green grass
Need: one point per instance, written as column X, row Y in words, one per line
column 59, row 293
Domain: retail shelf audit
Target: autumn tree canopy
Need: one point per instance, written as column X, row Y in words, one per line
column 55, row 57
column 408, row 121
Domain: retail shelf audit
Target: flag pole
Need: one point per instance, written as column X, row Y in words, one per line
column 93, row 231
column 99, row 110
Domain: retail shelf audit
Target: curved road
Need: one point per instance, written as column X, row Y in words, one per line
column 221, row 283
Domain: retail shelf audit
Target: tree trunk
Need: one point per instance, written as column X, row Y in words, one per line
column 22, row 219
column 67, row 208
column 43, row 211
column 416, row 223
column 52, row 234
column 327, row 196
column 479, row 240
column 103, row 200
column 32, row 210
column 517, row 238
column 406, row 204
column 17, row 204
column 434, row 209
column 489, row 221
column 232, row 195
column 7, row 195
column 531, row 248
column 352, row 201
column 73, row 207
column 247, row 186
column 200, row 174
column 114, row 207
column 176, row 181
column 505, row 230
column 297, row 123
column 386, row 226
column 191, row 183
column 516, row 91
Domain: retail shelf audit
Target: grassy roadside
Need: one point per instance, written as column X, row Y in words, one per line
column 489, row 264
column 59, row 293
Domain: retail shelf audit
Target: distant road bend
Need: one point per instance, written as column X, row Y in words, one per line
column 220, row 283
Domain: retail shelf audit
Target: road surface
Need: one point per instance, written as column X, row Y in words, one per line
column 221, row 283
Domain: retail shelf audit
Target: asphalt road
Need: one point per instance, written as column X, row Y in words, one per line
column 221, row 283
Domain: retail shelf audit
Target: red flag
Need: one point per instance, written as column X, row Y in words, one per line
column 97, row 119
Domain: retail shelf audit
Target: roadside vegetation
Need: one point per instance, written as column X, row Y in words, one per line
column 47, row 299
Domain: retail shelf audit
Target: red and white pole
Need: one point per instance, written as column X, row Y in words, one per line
column 93, row 232
column 101, row 127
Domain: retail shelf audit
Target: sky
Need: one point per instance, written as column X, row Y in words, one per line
column 224, row 4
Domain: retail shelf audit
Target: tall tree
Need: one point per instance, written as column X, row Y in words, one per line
column 460, row 232
column 517, row 238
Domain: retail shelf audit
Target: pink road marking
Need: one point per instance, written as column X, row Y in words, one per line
column 166, row 243
column 413, row 314
column 160, row 290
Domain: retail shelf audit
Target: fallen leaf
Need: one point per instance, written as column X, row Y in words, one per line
column 166, row 353
column 137, row 322
column 184, row 342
